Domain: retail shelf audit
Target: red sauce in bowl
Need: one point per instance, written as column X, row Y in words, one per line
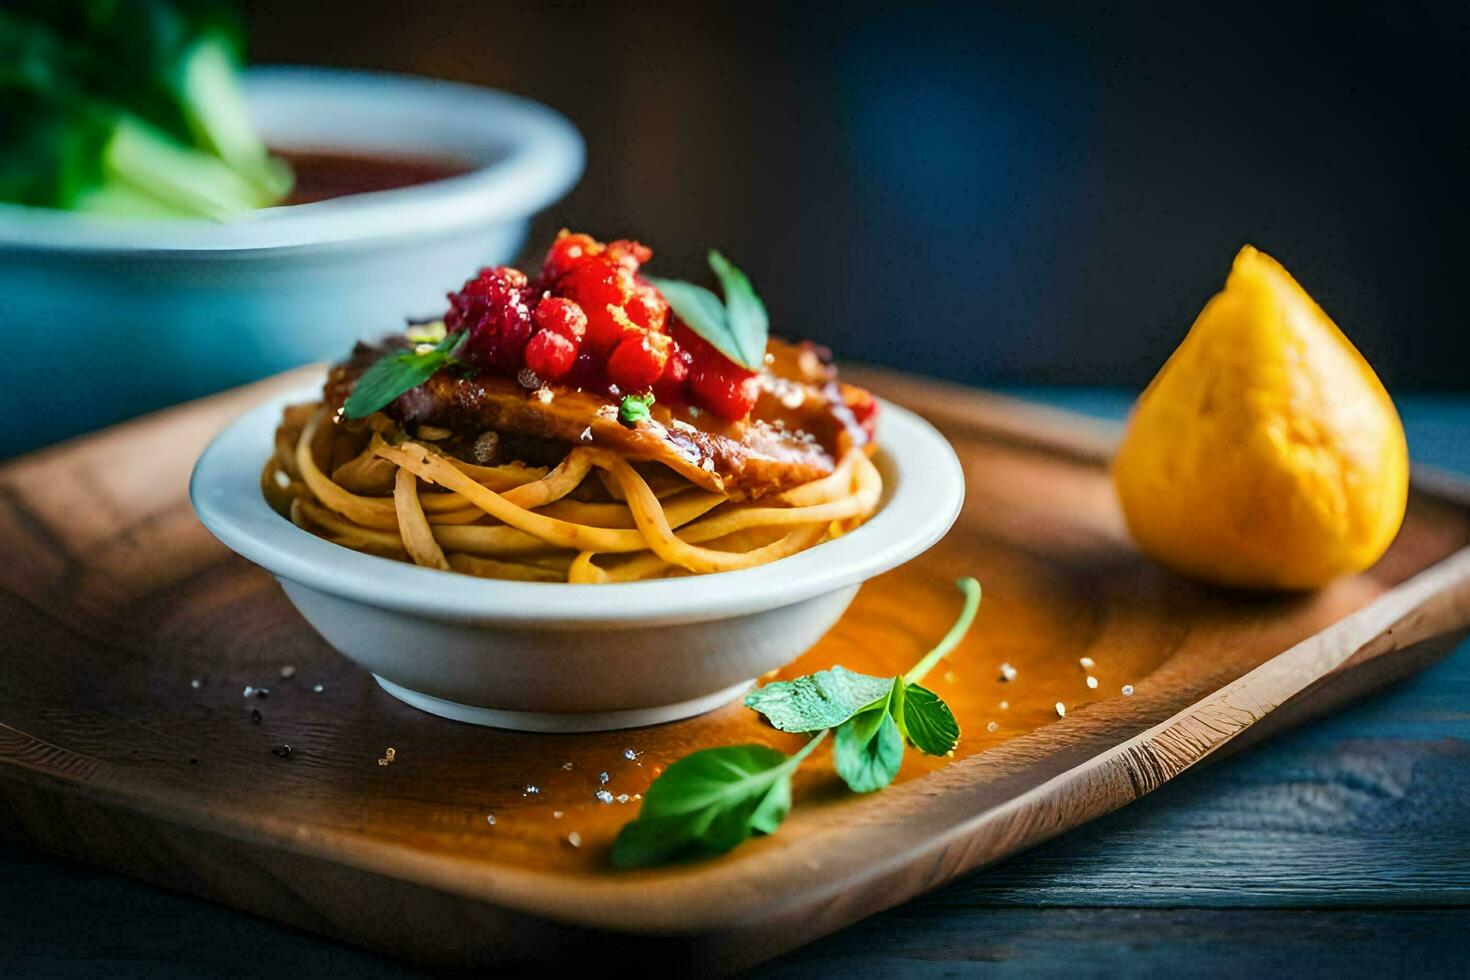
column 325, row 174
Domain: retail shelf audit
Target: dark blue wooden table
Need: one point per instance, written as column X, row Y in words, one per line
column 1340, row 849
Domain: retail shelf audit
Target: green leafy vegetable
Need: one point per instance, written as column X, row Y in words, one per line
column 816, row 701
column 709, row 802
column 129, row 107
column 868, row 750
column 634, row 409
column 394, row 374
column 714, row 799
column 746, row 313
column 927, row 721
column 737, row 328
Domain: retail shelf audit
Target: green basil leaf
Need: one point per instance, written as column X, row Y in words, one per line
column 868, row 750
column 708, row 802
column 702, row 312
column 744, row 310
column 816, row 701
column 927, row 721
column 394, row 374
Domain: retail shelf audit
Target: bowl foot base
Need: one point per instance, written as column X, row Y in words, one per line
column 550, row 721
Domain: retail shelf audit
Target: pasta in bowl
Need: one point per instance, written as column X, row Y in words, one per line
column 576, row 552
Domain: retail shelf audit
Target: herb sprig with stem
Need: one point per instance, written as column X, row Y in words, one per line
column 712, row 800
column 739, row 327
column 393, row 374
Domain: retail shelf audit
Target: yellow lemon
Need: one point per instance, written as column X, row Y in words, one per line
column 1266, row 453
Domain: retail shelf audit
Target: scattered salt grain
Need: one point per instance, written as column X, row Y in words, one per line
column 1092, row 682
column 1086, row 663
column 490, row 819
column 574, row 839
column 249, row 691
column 197, row 683
column 1061, row 710
column 586, row 435
column 557, row 814
column 318, row 688
column 630, row 755
column 1005, row 706
column 1007, row 673
column 603, row 777
column 603, row 796
column 950, row 677
column 388, row 756
column 567, row 766
column 623, row 797
column 531, row 790
column 288, row 672
column 1128, row 690
column 992, row 726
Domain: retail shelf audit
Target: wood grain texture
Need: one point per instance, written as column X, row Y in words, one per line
column 110, row 755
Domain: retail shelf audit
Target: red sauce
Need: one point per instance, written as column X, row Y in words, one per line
column 324, row 174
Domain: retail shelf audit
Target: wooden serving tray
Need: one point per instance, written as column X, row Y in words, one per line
column 116, row 603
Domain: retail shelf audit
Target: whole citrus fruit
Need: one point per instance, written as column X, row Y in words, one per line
column 1266, row 453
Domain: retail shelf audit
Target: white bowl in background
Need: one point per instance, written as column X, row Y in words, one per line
column 551, row 657
column 112, row 317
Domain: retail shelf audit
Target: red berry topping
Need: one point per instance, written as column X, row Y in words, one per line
column 494, row 307
column 716, row 382
column 566, row 253
column 648, row 308
column 724, row 387
column 589, row 321
column 671, row 385
column 629, row 253
column 550, row 355
column 596, row 285
column 563, row 317
column 639, row 360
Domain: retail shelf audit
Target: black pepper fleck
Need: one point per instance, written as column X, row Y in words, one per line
column 256, row 716
column 284, row 751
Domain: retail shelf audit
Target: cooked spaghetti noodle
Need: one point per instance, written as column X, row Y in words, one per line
column 597, row 516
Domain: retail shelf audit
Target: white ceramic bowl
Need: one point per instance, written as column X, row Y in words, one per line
column 552, row 657
column 126, row 315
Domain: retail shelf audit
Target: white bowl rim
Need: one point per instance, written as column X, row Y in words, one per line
column 545, row 159
column 921, row 505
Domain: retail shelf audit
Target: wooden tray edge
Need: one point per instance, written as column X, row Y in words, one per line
column 1424, row 621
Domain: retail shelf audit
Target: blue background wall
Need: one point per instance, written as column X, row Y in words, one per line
column 1040, row 192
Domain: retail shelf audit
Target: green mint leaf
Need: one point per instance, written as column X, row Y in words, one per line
column 744, row 311
column 702, row 312
column 868, row 750
column 394, row 374
column 738, row 328
column 708, row 802
column 927, row 721
column 825, row 699
column 635, row 409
